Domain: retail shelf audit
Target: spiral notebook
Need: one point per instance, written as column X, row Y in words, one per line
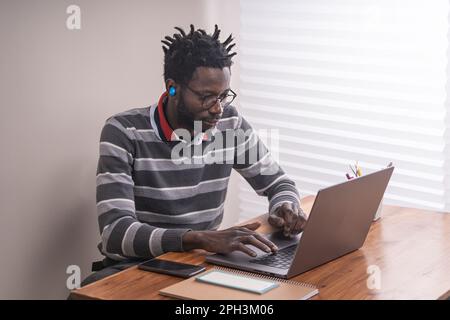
column 230, row 284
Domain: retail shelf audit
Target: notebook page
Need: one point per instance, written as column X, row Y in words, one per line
column 237, row 281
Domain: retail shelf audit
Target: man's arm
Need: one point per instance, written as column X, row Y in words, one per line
column 123, row 236
column 254, row 162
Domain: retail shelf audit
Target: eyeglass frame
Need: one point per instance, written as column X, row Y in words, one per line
column 203, row 98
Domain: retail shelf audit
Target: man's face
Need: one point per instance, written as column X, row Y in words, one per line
column 205, row 83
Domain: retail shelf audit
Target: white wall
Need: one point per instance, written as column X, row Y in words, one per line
column 57, row 88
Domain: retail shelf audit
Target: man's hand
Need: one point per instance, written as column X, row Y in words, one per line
column 290, row 218
column 228, row 240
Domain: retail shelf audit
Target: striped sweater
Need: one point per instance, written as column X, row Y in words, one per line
column 146, row 201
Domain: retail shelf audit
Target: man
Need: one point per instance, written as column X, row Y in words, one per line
column 149, row 202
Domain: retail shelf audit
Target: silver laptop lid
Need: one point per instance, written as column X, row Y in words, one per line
column 340, row 220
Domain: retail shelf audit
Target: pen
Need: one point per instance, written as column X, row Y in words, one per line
column 354, row 172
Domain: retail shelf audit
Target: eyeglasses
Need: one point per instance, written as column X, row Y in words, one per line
column 209, row 101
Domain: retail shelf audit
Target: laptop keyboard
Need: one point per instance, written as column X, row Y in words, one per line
column 282, row 259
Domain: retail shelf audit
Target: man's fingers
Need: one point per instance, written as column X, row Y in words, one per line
column 257, row 243
column 242, row 247
column 288, row 221
column 276, row 221
column 298, row 226
column 290, row 218
column 267, row 242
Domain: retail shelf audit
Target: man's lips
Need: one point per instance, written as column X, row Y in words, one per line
column 211, row 122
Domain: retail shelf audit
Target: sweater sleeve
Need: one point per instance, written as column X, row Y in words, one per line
column 255, row 163
column 123, row 236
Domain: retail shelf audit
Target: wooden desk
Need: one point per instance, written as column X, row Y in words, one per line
column 411, row 248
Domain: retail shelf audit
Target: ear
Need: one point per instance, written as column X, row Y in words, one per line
column 170, row 83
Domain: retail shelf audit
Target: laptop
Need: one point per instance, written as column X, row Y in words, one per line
column 338, row 224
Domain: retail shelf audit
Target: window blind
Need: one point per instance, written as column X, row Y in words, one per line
column 345, row 81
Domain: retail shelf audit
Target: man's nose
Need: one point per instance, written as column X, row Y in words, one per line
column 216, row 108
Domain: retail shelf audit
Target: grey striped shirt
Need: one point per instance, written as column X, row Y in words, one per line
column 146, row 201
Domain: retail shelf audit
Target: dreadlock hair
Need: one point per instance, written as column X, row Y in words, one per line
column 183, row 53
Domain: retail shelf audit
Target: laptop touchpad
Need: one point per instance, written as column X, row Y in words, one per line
column 281, row 241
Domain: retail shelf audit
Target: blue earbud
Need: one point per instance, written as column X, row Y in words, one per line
column 172, row 91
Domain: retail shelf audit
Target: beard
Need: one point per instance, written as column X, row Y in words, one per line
column 186, row 118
